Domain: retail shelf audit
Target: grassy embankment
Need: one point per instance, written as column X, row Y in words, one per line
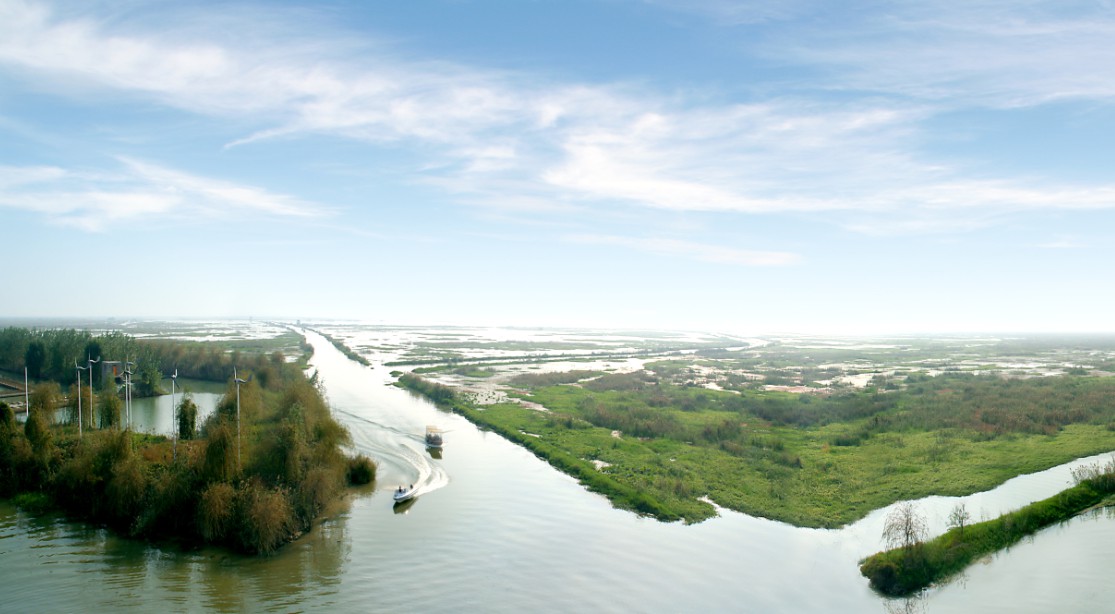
column 906, row 570
column 622, row 495
column 810, row 461
column 252, row 492
column 340, row 345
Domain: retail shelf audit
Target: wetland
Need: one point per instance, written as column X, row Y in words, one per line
column 497, row 528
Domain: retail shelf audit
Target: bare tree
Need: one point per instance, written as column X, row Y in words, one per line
column 904, row 527
column 959, row 517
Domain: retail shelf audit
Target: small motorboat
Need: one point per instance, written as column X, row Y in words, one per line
column 403, row 493
column 433, row 437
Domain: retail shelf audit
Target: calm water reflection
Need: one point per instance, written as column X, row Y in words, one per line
column 498, row 530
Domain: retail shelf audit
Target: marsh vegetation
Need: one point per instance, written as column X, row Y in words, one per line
column 255, row 475
column 842, row 430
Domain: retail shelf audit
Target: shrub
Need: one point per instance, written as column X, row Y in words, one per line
column 187, row 418
column 171, row 508
column 361, row 470
column 320, row 486
column 125, row 492
column 110, row 406
column 76, row 486
column 16, row 457
column 7, row 416
column 265, row 518
column 45, row 398
column 43, row 451
column 215, row 511
column 219, row 464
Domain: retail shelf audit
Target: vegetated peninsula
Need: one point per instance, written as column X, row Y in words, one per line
column 766, row 431
column 254, row 476
column 913, row 564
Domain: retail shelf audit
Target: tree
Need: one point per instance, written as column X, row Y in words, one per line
column 959, row 517
column 45, row 398
column 187, row 418
column 43, row 451
column 35, row 358
column 71, row 413
column 905, row 527
column 150, row 379
column 110, row 406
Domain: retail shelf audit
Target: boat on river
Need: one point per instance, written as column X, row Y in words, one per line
column 403, row 493
column 434, row 437
column 402, row 507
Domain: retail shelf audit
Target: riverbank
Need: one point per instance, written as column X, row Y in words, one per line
column 340, row 345
column 904, row 571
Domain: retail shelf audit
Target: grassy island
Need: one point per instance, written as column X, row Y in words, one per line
column 905, row 570
column 254, row 476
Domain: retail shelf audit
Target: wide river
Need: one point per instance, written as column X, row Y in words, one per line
column 497, row 530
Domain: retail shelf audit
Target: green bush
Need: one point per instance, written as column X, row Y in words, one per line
column 172, row 504
column 187, row 418
column 77, row 484
column 125, row 492
column 7, row 416
column 361, row 470
column 109, row 407
column 44, row 454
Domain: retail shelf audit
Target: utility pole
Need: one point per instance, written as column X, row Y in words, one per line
column 174, row 413
column 91, row 361
column 79, row 370
column 128, row 390
column 238, row 382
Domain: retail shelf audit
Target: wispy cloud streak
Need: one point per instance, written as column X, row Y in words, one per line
column 138, row 192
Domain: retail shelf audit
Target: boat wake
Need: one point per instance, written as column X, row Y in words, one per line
column 400, row 454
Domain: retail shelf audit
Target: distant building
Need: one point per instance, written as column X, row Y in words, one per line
column 111, row 368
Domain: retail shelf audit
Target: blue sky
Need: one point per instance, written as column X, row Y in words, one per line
column 867, row 167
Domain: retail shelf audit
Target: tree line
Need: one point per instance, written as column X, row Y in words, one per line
column 55, row 354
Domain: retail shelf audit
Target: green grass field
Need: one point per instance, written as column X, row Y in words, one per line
column 676, row 446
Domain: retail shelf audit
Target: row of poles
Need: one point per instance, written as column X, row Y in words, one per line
column 128, row 399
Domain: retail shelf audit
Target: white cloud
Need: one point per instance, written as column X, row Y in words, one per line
column 139, row 192
column 696, row 251
column 998, row 53
column 520, row 142
column 16, row 176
